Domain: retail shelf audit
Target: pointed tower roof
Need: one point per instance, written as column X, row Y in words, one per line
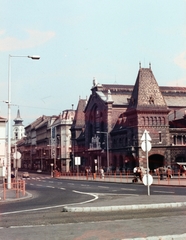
column 146, row 93
column 18, row 120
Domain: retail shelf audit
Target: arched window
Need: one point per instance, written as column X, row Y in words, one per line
column 155, row 121
column 159, row 121
column 151, row 121
column 147, row 121
column 143, row 121
column 163, row 121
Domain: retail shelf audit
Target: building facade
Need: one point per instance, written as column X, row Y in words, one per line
column 106, row 129
column 116, row 116
column 47, row 143
column 3, row 148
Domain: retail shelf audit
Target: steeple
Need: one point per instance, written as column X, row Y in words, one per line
column 18, row 128
column 146, row 93
column 18, row 120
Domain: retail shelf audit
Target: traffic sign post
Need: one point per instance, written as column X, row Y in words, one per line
column 146, row 147
column 17, row 161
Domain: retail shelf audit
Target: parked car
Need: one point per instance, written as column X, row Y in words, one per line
column 25, row 175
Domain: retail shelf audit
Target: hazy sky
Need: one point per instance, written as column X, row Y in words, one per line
column 81, row 39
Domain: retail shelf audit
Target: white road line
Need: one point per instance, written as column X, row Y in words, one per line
column 28, row 226
column 84, row 185
column 62, row 188
column 129, row 189
column 51, row 207
column 163, row 192
column 39, row 185
column 50, row 186
column 102, row 187
column 70, row 183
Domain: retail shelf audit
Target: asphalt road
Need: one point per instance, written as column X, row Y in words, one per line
column 45, row 219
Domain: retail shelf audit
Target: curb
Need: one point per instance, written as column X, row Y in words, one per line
column 126, row 207
column 27, row 195
column 168, row 237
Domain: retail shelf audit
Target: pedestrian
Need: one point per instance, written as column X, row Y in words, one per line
column 135, row 171
column 102, row 173
column 161, row 171
column 169, row 172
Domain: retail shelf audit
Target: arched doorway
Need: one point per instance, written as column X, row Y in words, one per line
column 156, row 161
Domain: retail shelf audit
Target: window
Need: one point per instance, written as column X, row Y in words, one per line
column 160, row 140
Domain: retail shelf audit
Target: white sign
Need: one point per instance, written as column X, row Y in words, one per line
column 150, row 179
column 77, row 161
column 143, row 146
column 17, row 163
column 17, row 155
column 146, row 135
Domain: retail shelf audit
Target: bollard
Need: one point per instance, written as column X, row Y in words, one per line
column 4, row 191
column 179, row 177
column 168, row 179
column 127, row 175
column 23, row 188
column 158, row 178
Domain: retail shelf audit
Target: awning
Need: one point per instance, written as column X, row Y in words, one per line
column 181, row 163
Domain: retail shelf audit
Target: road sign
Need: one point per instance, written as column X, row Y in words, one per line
column 143, row 146
column 17, row 155
column 150, row 179
column 77, row 160
column 146, row 135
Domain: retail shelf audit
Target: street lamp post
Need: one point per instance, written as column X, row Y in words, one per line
column 107, row 149
column 34, row 57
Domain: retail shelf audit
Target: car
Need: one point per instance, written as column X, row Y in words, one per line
column 25, row 175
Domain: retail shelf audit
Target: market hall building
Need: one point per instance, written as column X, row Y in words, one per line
column 115, row 117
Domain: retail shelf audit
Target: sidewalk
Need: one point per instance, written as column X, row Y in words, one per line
column 12, row 195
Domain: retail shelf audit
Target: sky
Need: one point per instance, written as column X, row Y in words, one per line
column 78, row 40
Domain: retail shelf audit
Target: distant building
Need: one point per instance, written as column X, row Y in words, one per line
column 47, row 143
column 3, row 144
column 121, row 114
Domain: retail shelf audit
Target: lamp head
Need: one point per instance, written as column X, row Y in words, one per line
column 34, row 57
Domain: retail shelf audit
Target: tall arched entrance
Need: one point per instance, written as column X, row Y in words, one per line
column 156, row 161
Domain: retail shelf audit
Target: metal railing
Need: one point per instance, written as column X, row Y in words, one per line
column 17, row 189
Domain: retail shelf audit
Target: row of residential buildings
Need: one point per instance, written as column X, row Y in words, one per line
column 106, row 129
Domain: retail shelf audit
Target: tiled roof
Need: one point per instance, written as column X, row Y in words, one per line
column 79, row 119
column 3, row 119
column 177, row 114
column 146, row 88
column 146, row 92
